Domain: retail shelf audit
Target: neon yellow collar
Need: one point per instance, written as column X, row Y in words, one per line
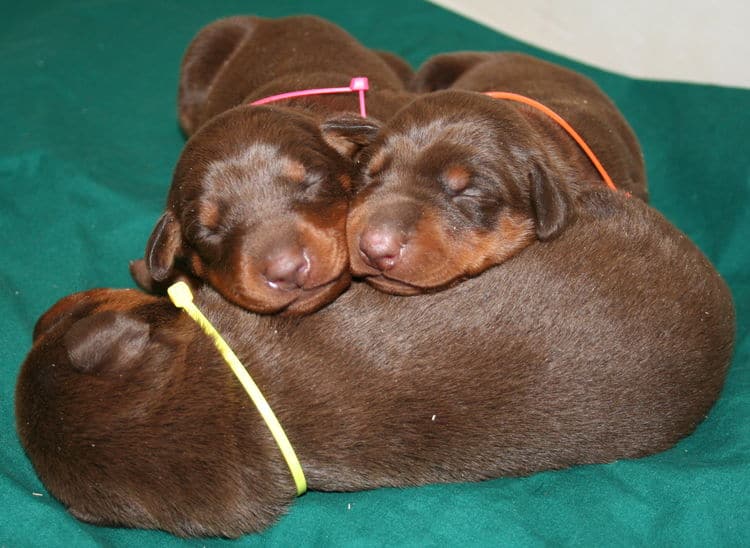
column 182, row 297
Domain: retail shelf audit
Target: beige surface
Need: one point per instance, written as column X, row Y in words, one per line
column 705, row 42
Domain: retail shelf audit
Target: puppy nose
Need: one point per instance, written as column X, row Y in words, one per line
column 381, row 247
column 287, row 269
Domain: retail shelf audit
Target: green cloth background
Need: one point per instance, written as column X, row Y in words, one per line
column 87, row 144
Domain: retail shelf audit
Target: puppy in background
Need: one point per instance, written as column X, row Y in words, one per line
column 612, row 341
column 259, row 197
column 458, row 181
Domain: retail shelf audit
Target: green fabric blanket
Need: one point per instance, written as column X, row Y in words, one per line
column 88, row 144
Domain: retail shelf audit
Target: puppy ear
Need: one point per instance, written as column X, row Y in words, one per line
column 550, row 203
column 205, row 56
column 142, row 277
column 105, row 341
column 163, row 246
column 349, row 133
column 441, row 71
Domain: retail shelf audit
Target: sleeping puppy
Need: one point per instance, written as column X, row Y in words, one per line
column 258, row 201
column 458, row 181
column 610, row 342
column 260, row 215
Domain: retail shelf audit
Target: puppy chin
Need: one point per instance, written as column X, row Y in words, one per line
column 394, row 287
column 407, row 278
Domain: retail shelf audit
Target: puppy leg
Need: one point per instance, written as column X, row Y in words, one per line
column 440, row 71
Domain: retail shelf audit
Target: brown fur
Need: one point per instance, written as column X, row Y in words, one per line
column 611, row 341
column 240, row 59
column 458, row 181
column 572, row 95
column 259, row 197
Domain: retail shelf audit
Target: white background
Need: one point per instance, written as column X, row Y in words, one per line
column 692, row 41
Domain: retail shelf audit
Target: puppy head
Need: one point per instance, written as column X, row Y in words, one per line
column 130, row 418
column 103, row 331
column 257, row 208
column 78, row 384
column 456, row 182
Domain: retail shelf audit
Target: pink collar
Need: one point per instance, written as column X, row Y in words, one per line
column 360, row 84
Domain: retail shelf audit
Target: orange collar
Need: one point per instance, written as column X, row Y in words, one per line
column 565, row 125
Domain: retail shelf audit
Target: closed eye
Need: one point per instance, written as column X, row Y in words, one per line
column 469, row 192
column 321, row 188
column 478, row 192
column 209, row 245
column 465, row 189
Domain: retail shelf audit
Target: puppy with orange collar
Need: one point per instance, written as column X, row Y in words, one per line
column 459, row 181
column 259, row 197
column 612, row 341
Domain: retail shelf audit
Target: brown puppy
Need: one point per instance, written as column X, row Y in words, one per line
column 458, row 181
column 259, row 197
column 611, row 341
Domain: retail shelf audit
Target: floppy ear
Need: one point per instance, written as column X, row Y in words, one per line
column 163, row 246
column 205, row 56
column 550, row 203
column 442, row 70
column 105, row 341
column 142, row 277
column 349, row 133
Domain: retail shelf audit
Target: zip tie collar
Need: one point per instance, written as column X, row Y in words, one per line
column 360, row 84
column 182, row 297
column 561, row 121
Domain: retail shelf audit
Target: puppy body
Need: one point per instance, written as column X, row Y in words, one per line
column 259, row 197
column 458, row 181
column 240, row 59
column 611, row 341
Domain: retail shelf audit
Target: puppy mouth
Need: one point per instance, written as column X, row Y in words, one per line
column 279, row 299
column 285, row 296
column 387, row 280
column 294, row 291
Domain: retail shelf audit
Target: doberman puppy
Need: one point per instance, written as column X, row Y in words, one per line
column 458, row 181
column 612, row 341
column 259, row 196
